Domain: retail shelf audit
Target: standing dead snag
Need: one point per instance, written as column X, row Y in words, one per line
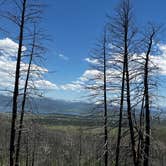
column 123, row 33
column 120, row 118
column 24, row 99
column 25, row 14
column 98, row 86
column 140, row 133
column 105, row 101
column 146, row 94
column 128, row 87
column 16, row 86
column 145, row 69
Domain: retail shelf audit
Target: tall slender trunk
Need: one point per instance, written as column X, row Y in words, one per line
column 147, row 110
column 147, row 116
column 105, row 105
column 120, row 118
column 128, row 92
column 126, row 34
column 132, row 137
column 140, row 133
column 16, row 87
column 24, row 102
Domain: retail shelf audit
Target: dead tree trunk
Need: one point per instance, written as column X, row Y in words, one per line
column 120, row 118
column 105, row 104
column 123, row 32
column 146, row 93
column 98, row 85
column 141, row 133
column 16, row 87
column 128, row 97
column 24, row 101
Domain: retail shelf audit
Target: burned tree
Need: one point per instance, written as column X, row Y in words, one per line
column 149, row 67
column 24, row 97
column 146, row 71
column 98, row 87
column 16, row 86
column 122, row 38
column 24, row 14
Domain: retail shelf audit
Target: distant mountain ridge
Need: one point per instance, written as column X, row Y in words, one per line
column 55, row 106
column 48, row 106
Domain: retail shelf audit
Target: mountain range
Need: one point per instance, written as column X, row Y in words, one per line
column 55, row 106
column 48, row 106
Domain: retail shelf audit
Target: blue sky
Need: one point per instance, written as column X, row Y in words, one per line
column 74, row 27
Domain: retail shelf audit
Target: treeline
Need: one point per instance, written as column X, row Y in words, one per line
column 124, row 75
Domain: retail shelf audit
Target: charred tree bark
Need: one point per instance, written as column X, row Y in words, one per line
column 126, row 29
column 24, row 102
column 126, row 34
column 98, row 85
column 147, row 109
column 105, row 104
column 16, row 87
column 129, row 110
column 120, row 118
column 141, row 134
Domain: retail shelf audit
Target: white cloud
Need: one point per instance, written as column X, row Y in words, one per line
column 8, row 52
column 44, row 84
column 89, row 74
column 160, row 60
column 79, row 84
column 63, row 57
column 91, row 60
column 8, row 48
column 71, row 86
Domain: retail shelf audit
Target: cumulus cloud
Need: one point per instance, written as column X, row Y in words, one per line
column 8, row 52
column 8, row 48
column 88, row 74
column 80, row 83
column 44, row 84
column 158, row 60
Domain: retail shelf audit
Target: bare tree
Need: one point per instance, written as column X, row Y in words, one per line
column 16, row 86
column 105, row 101
column 147, row 69
column 123, row 33
column 24, row 98
column 25, row 13
column 98, row 85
